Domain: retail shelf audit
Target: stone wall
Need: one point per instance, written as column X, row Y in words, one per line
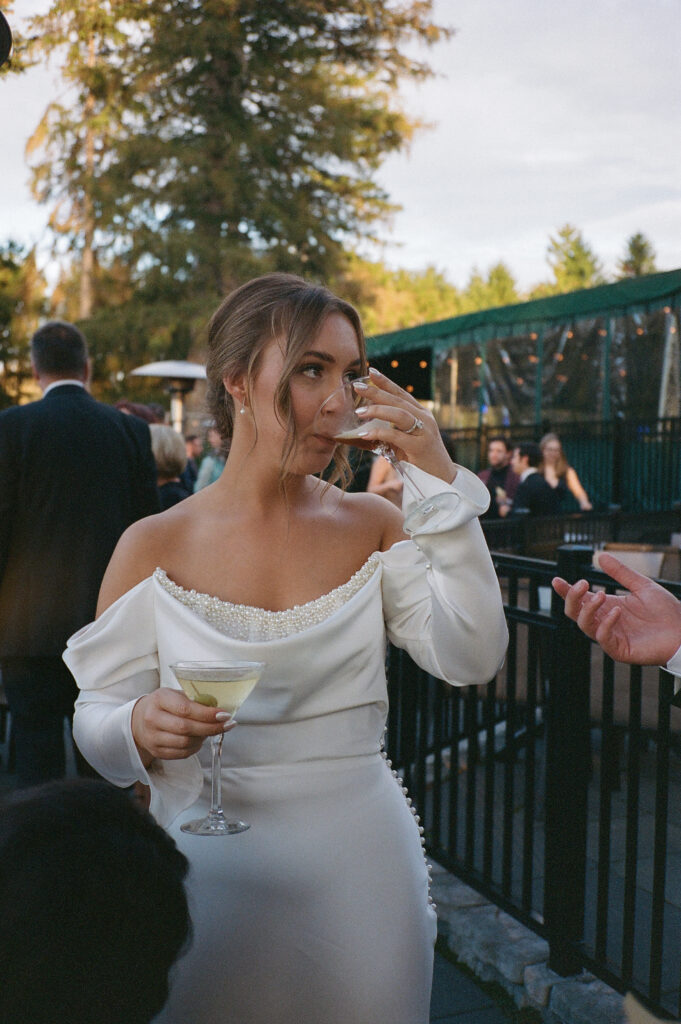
column 497, row 948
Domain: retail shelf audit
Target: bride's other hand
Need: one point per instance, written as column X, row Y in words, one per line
column 168, row 725
column 413, row 434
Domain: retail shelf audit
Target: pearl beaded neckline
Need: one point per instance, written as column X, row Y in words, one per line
column 243, row 622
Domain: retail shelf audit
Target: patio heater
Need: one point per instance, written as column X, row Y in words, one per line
column 180, row 377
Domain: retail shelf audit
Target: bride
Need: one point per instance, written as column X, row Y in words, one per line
column 320, row 913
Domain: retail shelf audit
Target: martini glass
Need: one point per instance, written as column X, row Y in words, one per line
column 224, row 685
column 337, row 419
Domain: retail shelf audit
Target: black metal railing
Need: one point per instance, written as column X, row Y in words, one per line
column 541, row 536
column 555, row 790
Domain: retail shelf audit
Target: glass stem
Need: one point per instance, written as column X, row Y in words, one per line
column 216, row 776
column 389, row 454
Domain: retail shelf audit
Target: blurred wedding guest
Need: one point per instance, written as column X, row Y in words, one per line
column 74, row 474
column 157, row 410
column 499, row 478
column 213, row 463
column 170, row 457
column 193, row 448
column 561, row 476
column 385, row 480
column 93, row 909
column 143, row 412
column 533, row 495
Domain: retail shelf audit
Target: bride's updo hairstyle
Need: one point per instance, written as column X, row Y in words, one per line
column 272, row 306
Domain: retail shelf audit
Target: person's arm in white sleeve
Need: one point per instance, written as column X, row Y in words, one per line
column 442, row 601
column 115, row 663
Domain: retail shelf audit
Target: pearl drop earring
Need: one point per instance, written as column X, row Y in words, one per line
column 242, row 410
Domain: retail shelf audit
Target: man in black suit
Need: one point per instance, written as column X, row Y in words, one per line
column 533, row 494
column 74, row 474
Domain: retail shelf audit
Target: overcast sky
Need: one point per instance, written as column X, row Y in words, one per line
column 543, row 114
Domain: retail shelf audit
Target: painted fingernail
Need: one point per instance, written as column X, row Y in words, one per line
column 374, row 371
column 222, row 716
column 360, row 385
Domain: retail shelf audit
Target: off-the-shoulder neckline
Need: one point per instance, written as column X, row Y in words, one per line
column 371, row 563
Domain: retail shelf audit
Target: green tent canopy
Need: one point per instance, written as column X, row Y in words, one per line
column 592, row 354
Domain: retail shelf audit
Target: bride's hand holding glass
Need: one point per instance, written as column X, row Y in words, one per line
column 402, row 424
column 168, row 725
column 377, row 415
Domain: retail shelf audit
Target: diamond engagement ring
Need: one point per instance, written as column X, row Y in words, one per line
column 416, row 425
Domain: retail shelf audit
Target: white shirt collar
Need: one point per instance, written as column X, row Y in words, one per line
column 528, row 472
column 60, row 383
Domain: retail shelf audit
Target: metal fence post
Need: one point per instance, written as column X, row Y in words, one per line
column 567, row 775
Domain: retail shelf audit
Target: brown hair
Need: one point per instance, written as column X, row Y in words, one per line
column 268, row 307
column 562, row 462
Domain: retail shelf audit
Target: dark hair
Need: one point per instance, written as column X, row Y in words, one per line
column 59, row 349
column 530, row 449
column 143, row 412
column 268, row 307
column 157, row 410
column 93, row 910
column 503, row 440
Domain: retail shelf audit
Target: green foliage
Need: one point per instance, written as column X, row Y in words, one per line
column 142, row 330
column 22, row 290
column 201, row 138
column 573, row 262
column 497, row 289
column 638, row 259
column 391, row 299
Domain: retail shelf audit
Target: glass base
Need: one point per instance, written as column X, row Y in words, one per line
column 214, row 825
column 430, row 514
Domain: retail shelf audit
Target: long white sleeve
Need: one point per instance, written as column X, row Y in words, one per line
column 114, row 660
column 441, row 596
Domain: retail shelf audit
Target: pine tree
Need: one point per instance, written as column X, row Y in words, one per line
column 22, row 302
column 638, row 259
column 76, row 132
column 497, row 289
column 210, row 140
column 388, row 299
column 573, row 262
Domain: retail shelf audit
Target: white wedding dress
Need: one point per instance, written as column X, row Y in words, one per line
column 320, row 913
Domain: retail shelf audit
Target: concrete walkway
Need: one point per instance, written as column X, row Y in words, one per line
column 459, row 999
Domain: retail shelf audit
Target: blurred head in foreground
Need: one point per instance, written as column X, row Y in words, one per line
column 93, row 911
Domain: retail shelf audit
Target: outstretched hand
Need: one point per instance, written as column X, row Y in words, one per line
column 642, row 627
